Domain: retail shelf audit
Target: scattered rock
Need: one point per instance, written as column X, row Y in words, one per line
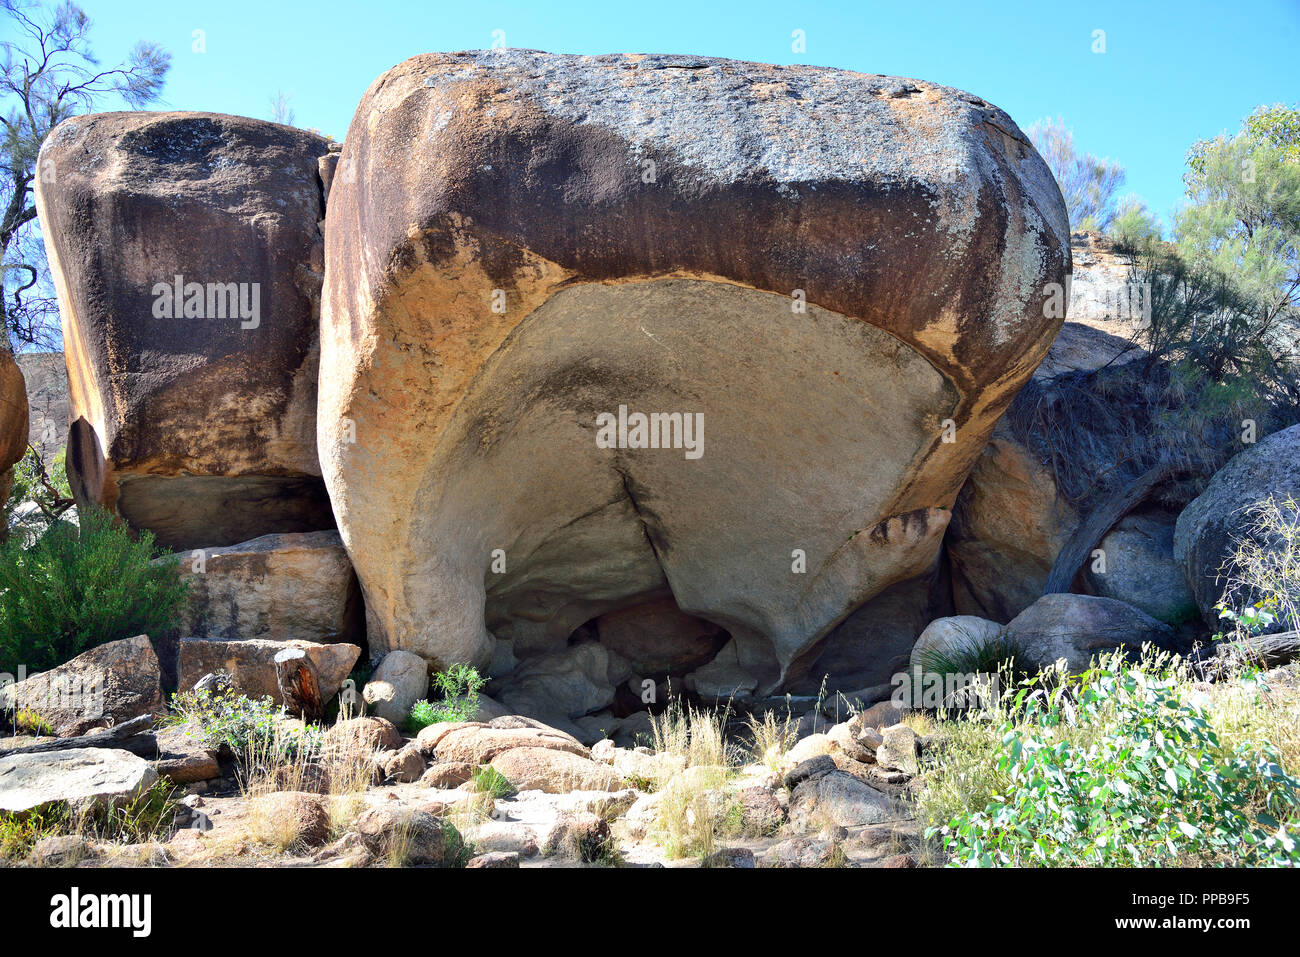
column 359, row 735
column 810, row 747
column 413, row 837
column 838, row 798
column 296, row 812
column 250, row 664
column 62, row 850
column 83, row 778
column 291, row 586
column 494, row 859
column 952, row 638
column 401, row 680
column 555, row 772
column 808, row 768
column 480, row 744
column 899, row 749
column 799, row 852
column 1079, row 628
column 741, row 857
column 402, row 766
column 111, row 683
column 447, row 775
column 761, row 812
column 579, row 835
column 881, row 715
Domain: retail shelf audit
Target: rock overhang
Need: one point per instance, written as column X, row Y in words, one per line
column 912, row 209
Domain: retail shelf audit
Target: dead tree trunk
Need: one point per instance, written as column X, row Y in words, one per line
column 127, row 736
column 1100, row 521
column 299, row 684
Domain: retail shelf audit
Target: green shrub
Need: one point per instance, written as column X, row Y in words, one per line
column 75, row 588
column 488, row 780
column 247, row 726
column 459, row 686
column 1122, row 767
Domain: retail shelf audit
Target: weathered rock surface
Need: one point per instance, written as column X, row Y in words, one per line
column 82, row 778
column 839, row 798
column 406, row 836
column 1009, row 521
column 299, row 814
column 1140, row 567
column 13, row 418
column 1007, row 527
column 1209, row 526
column 251, row 663
column 948, row 637
column 576, row 234
column 47, row 401
column 554, row 771
column 105, row 685
column 658, row 638
column 567, row 683
column 480, row 744
column 363, row 734
column 401, row 680
column 195, row 419
column 1079, row 628
column 297, row 585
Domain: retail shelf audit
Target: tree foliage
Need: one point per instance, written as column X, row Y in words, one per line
column 1088, row 184
column 48, row 72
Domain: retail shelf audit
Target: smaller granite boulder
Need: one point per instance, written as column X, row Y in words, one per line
column 1079, row 628
column 401, row 680
column 250, row 664
column 105, row 685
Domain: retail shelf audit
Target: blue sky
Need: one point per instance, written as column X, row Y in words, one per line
column 1172, row 72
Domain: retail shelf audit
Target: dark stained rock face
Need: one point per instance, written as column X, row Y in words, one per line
column 186, row 255
column 838, row 280
column 1212, row 525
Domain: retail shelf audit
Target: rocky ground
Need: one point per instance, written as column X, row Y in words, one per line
column 837, row 797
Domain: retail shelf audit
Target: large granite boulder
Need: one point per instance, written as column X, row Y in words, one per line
column 1137, row 566
column 108, row 684
column 186, row 255
column 836, row 271
column 1211, row 525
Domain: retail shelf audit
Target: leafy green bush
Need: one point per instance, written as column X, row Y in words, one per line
column 1146, row 783
column 244, row 725
column 459, row 686
column 76, row 588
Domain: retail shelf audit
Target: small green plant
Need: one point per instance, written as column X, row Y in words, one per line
column 1122, row 767
column 76, row 588
column 972, row 657
column 29, row 722
column 488, row 780
column 1263, row 572
column 459, row 688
